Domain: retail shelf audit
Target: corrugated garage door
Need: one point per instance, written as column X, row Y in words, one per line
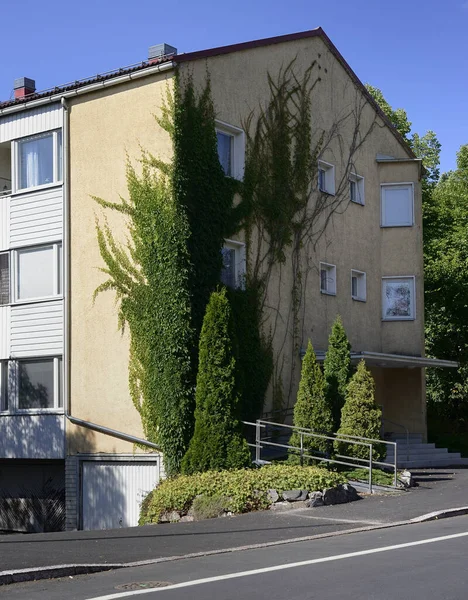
column 112, row 492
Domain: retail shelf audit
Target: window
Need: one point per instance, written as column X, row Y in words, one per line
column 398, row 298
column 4, row 278
column 397, row 205
column 39, row 160
column 38, row 272
column 358, row 285
column 231, row 149
column 233, row 271
column 327, row 279
column 356, row 188
column 31, row 385
column 326, row 177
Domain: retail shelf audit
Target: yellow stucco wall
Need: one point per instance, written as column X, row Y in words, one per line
column 106, row 125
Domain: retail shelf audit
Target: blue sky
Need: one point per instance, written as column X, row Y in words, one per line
column 416, row 51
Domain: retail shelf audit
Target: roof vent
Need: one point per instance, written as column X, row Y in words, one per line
column 160, row 51
column 24, row 86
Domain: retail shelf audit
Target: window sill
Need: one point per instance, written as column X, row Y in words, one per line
column 356, row 299
column 390, row 319
column 391, row 226
column 358, row 203
column 37, row 188
column 34, row 301
column 327, row 293
column 32, row 412
column 327, row 192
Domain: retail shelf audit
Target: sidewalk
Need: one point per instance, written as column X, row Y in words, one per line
column 438, row 489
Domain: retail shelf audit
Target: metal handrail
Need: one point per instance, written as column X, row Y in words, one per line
column 406, row 431
column 355, row 440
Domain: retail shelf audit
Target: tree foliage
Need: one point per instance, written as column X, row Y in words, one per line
column 360, row 416
column 337, row 370
column 311, row 410
column 217, row 442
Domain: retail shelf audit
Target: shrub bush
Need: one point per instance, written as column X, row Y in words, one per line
column 360, row 416
column 217, row 442
column 337, row 370
column 246, row 488
column 311, row 410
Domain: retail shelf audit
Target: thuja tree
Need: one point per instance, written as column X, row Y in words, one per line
column 337, row 369
column 217, row 442
column 360, row 416
column 311, row 410
column 179, row 214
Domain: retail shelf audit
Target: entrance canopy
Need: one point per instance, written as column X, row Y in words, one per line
column 400, row 361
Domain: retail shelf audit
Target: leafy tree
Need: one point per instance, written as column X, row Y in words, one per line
column 217, row 442
column 311, row 410
column 360, row 416
column 337, row 369
column 398, row 117
column 446, row 291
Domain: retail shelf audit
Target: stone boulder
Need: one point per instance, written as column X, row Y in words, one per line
column 340, row 494
column 315, row 499
column 295, row 495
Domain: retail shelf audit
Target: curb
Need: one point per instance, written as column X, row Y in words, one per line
column 56, row 571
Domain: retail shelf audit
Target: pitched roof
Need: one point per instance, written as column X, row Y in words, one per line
column 211, row 52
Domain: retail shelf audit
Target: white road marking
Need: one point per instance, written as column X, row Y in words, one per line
column 302, row 563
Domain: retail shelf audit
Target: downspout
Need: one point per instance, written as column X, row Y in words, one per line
column 66, row 290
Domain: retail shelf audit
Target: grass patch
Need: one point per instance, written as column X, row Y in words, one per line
column 379, row 477
column 245, row 489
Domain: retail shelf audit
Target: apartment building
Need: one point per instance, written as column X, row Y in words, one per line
column 67, row 421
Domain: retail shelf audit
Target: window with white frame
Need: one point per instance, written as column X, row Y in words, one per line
column 396, row 200
column 233, row 271
column 358, row 285
column 38, row 160
column 327, row 278
column 231, row 149
column 398, row 298
column 38, row 272
column 326, row 177
column 356, row 188
column 4, row 278
column 33, row 384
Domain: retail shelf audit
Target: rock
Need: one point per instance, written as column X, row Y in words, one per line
column 295, row 495
column 350, row 492
column 187, row 519
column 406, row 478
column 272, row 496
column 315, row 499
column 336, row 495
column 169, row 517
column 281, row 506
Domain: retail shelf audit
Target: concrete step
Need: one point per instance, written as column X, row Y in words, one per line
column 415, row 448
column 427, row 463
column 424, row 457
column 418, row 451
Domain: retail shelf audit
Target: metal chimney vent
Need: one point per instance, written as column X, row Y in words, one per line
column 161, row 50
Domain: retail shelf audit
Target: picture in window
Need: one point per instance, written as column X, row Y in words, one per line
column 398, row 299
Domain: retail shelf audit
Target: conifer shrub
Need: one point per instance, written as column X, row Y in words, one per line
column 217, row 442
column 360, row 416
column 311, row 410
column 337, row 370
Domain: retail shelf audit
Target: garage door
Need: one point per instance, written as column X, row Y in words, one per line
column 112, row 492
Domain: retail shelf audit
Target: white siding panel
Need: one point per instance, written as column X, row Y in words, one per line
column 37, row 329
column 29, row 122
column 114, row 490
column 32, row 436
column 4, row 222
column 4, row 332
column 36, row 218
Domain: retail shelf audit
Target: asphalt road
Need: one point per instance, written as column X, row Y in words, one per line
column 424, row 561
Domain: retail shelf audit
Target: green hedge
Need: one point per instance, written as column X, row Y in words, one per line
column 246, row 488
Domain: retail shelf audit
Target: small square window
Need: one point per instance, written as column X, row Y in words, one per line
column 326, row 177
column 231, row 149
column 327, row 279
column 398, row 298
column 38, row 272
column 233, row 271
column 358, row 285
column 397, row 205
column 36, row 384
column 356, row 188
